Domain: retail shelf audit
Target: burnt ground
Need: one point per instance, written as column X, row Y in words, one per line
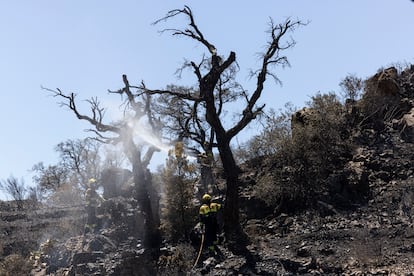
column 374, row 238
column 22, row 231
column 377, row 239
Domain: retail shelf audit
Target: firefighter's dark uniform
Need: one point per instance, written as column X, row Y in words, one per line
column 91, row 197
column 208, row 219
column 214, row 208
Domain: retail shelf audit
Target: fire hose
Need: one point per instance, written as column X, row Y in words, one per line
column 199, row 252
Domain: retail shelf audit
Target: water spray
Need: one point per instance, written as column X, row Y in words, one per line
column 141, row 131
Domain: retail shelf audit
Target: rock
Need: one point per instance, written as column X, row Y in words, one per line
column 357, row 177
column 385, row 82
column 115, row 182
column 254, row 227
column 327, row 251
column 409, row 233
column 407, row 126
column 86, row 257
column 304, row 251
column 94, row 245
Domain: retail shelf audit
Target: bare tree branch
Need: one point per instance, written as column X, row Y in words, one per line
column 193, row 32
column 97, row 111
column 188, row 95
column 271, row 57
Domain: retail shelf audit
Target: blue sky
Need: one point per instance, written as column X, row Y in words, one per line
column 86, row 46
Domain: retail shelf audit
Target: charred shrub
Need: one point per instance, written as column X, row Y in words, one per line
column 318, row 145
column 15, row 265
column 176, row 261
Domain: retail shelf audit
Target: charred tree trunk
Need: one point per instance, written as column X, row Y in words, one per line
column 151, row 237
column 145, row 193
column 232, row 227
column 207, row 183
column 143, row 185
column 208, row 82
column 154, row 198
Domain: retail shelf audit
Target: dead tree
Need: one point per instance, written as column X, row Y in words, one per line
column 206, row 100
column 15, row 188
column 184, row 119
column 139, row 153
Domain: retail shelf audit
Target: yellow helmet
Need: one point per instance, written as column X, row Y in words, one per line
column 91, row 181
column 206, row 198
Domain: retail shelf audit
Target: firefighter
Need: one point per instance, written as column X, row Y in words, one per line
column 208, row 219
column 92, row 201
column 214, row 213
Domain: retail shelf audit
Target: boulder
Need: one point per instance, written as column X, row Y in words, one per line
column 407, row 126
column 115, row 182
column 387, row 82
column 358, row 176
column 86, row 257
column 302, row 117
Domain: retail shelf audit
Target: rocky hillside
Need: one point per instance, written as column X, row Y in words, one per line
column 22, row 231
column 374, row 238
column 361, row 225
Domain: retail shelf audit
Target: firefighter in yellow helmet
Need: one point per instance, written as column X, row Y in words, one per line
column 208, row 218
column 92, row 202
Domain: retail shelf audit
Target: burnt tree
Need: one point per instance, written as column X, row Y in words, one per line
column 207, row 100
column 185, row 120
column 15, row 188
column 138, row 152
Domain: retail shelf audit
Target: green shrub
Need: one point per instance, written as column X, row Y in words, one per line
column 179, row 212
